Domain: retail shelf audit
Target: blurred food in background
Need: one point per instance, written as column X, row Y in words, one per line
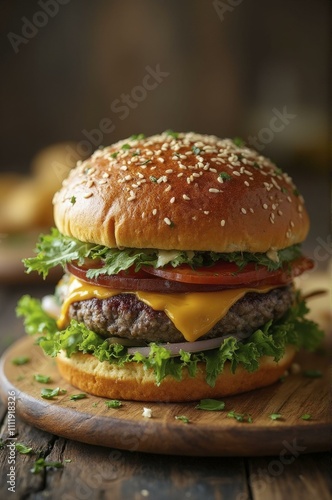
column 26, row 207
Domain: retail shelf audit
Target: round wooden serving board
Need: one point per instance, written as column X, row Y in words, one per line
column 208, row 433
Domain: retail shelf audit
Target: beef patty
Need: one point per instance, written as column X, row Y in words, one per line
column 126, row 316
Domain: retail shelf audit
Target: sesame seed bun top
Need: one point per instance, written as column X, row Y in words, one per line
column 181, row 191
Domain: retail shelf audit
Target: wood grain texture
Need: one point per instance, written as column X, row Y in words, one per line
column 208, row 433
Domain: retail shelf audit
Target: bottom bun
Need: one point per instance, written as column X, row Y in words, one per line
column 133, row 382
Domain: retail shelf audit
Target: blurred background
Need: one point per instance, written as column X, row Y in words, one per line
column 79, row 74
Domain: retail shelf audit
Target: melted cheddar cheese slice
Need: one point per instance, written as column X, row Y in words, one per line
column 193, row 314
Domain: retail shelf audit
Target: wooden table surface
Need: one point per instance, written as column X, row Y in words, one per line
column 93, row 472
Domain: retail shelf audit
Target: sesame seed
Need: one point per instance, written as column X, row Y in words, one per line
column 90, row 183
column 87, row 195
column 214, row 190
column 289, row 199
column 141, row 176
column 123, row 167
column 169, row 171
column 265, row 206
column 246, row 183
column 272, row 218
column 106, row 175
column 128, row 177
column 251, row 210
column 161, row 160
column 243, row 210
column 167, row 221
column 105, row 182
column 222, row 222
column 274, row 206
column 206, row 212
column 235, row 172
column 154, row 211
column 279, row 212
column 172, row 200
column 168, row 188
column 161, row 179
column 185, row 197
column 291, row 223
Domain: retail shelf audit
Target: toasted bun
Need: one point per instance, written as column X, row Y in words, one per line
column 133, row 382
column 189, row 192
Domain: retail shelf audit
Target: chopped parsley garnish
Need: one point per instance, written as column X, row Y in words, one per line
column 275, row 416
column 115, row 154
column 137, row 137
column 225, row 176
column 306, row 416
column 195, row 150
column 126, row 146
column 145, row 162
column 73, row 200
column 284, row 190
column 255, row 165
column 113, row 403
column 240, row 417
column 43, row 379
column 238, row 142
column 52, row 393
column 296, row 192
column 153, row 178
column 41, row 464
column 210, row 405
column 20, row 360
column 183, row 419
column 170, row 132
column 23, row 449
column 81, row 395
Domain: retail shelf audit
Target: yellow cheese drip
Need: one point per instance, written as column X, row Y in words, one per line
column 193, row 314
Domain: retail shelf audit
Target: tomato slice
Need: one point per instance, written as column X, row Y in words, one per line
column 184, row 279
column 131, row 281
column 228, row 274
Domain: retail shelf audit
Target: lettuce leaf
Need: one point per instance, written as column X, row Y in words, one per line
column 56, row 249
column 269, row 340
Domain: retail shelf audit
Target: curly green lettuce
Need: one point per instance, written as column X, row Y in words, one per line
column 56, row 249
column 294, row 328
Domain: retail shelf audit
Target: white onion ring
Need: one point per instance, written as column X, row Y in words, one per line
column 197, row 346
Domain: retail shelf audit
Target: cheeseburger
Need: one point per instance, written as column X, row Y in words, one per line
column 179, row 252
